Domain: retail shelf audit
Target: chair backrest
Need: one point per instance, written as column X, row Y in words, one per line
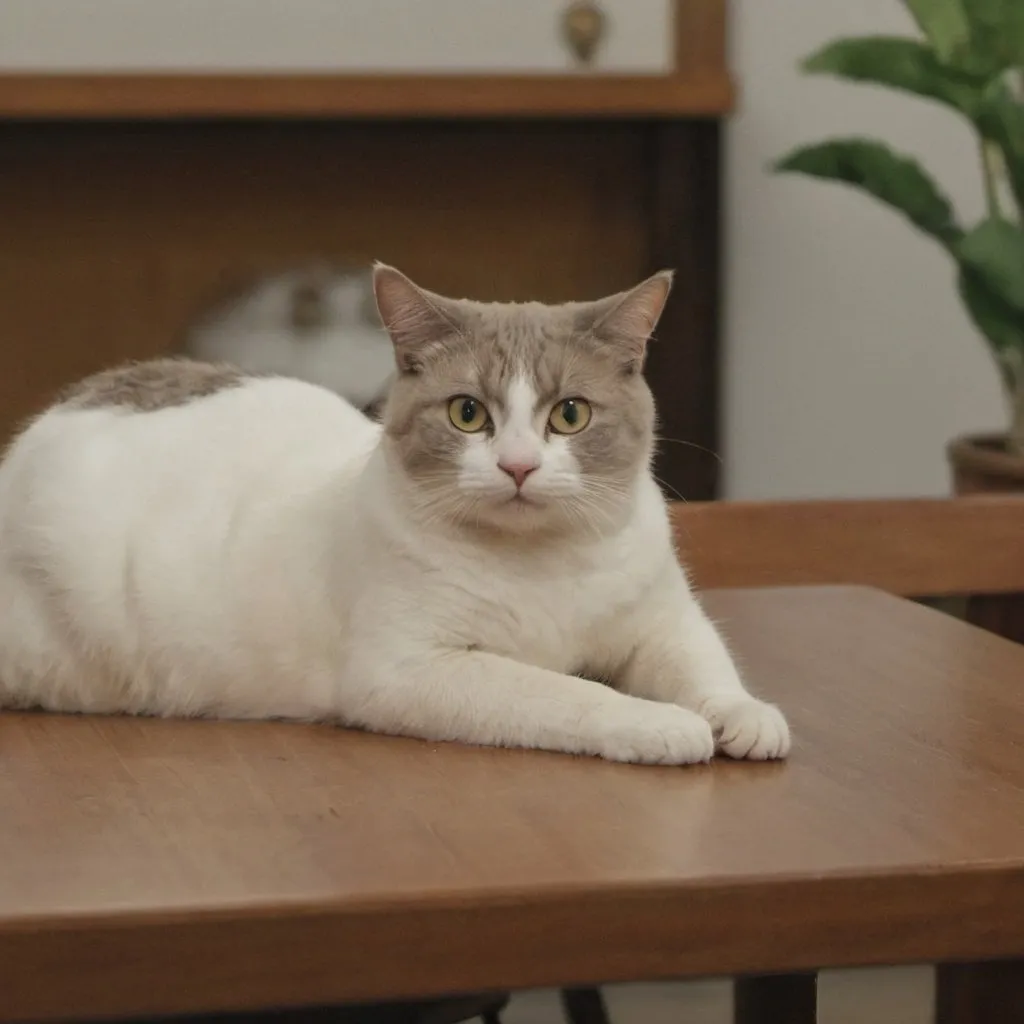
column 914, row 548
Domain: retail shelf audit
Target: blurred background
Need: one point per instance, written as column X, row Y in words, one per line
column 163, row 164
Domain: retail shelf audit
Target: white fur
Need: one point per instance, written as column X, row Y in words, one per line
column 255, row 554
column 347, row 353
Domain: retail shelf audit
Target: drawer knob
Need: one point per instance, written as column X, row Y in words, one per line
column 583, row 27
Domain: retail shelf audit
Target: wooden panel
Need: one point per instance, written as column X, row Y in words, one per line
column 380, row 96
column 701, row 38
column 682, row 361
column 915, row 547
column 115, row 235
column 272, row 864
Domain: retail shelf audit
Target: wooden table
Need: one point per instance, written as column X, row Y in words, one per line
column 155, row 867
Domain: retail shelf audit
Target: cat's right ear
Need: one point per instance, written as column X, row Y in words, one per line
column 418, row 321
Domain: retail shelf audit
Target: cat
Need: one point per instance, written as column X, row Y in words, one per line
column 180, row 538
column 316, row 323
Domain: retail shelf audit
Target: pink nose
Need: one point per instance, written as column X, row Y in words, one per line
column 519, row 471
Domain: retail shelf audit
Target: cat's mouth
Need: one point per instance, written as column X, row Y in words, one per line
column 522, row 499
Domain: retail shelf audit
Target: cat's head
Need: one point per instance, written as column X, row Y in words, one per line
column 520, row 417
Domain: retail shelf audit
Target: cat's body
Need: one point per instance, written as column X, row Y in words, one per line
column 264, row 550
column 317, row 324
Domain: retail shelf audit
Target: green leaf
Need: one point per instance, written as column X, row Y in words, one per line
column 1001, row 325
column 997, row 31
column 983, row 36
column 896, row 180
column 912, row 67
column 904, row 64
column 945, row 25
column 1000, row 118
column 994, row 253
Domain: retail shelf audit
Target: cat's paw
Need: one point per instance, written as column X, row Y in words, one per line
column 644, row 732
column 745, row 727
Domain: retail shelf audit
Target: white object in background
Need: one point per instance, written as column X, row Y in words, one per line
column 316, row 324
column 342, row 36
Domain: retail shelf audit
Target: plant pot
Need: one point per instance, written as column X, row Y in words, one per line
column 982, row 465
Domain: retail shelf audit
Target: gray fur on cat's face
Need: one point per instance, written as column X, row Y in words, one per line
column 507, row 460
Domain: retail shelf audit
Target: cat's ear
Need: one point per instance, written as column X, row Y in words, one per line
column 418, row 321
column 628, row 319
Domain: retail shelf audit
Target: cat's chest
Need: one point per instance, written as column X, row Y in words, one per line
column 563, row 621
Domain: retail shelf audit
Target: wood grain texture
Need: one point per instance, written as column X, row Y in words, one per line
column 917, row 547
column 701, row 87
column 274, row 865
column 167, row 96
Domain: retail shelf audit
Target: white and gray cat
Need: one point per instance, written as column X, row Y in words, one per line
column 316, row 323
column 178, row 538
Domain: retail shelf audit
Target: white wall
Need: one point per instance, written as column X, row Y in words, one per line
column 323, row 35
column 849, row 361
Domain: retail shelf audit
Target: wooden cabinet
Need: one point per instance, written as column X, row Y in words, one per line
column 132, row 194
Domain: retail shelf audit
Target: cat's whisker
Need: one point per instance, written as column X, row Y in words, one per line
column 668, row 487
column 593, row 508
column 691, row 444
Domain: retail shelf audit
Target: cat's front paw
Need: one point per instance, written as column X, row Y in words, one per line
column 644, row 732
column 745, row 727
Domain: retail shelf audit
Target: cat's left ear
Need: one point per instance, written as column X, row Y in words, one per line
column 627, row 320
column 418, row 321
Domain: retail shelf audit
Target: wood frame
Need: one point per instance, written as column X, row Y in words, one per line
column 377, row 96
column 913, row 547
column 682, row 361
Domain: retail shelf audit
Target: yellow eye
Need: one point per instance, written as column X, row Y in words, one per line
column 468, row 414
column 570, row 416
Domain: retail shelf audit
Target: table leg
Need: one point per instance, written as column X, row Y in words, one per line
column 776, row 999
column 584, row 1006
column 982, row 993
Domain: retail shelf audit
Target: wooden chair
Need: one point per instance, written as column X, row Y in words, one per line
column 922, row 548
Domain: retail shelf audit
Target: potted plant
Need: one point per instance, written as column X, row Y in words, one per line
column 970, row 57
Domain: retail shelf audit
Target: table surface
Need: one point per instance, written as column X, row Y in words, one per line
column 163, row 866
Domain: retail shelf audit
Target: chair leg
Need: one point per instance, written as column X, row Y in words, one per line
column 1002, row 614
column 776, row 999
column 584, row 1006
column 984, row 993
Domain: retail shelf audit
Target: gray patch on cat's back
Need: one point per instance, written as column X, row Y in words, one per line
column 150, row 386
